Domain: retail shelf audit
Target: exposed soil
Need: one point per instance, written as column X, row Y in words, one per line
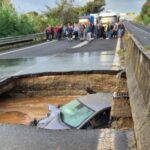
column 24, row 110
column 30, row 97
column 62, row 85
column 122, row 123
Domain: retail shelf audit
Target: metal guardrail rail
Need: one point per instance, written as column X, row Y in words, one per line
column 17, row 39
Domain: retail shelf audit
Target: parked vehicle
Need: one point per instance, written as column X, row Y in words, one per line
column 108, row 17
column 86, row 19
column 87, row 112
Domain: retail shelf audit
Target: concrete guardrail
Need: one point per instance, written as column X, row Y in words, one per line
column 138, row 75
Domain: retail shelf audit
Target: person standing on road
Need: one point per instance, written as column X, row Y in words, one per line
column 109, row 31
column 89, row 31
column 48, row 32
column 103, row 35
column 92, row 30
column 121, row 29
column 70, row 32
column 115, row 30
column 76, row 31
column 64, row 32
column 52, row 33
column 55, row 31
column 60, row 30
column 98, row 31
column 81, row 31
column 84, row 32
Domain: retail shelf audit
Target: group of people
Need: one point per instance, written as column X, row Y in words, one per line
column 115, row 30
column 85, row 31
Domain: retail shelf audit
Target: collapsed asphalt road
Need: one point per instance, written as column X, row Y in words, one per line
column 97, row 55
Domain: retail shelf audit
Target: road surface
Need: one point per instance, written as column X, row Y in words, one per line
column 28, row 138
column 142, row 34
column 97, row 55
column 43, row 49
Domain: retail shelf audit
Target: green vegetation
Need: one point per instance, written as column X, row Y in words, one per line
column 93, row 7
column 13, row 24
column 122, row 56
column 63, row 13
column 145, row 14
column 122, row 53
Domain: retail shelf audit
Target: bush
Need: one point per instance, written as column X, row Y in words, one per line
column 145, row 13
column 12, row 24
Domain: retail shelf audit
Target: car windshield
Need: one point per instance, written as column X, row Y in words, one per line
column 74, row 113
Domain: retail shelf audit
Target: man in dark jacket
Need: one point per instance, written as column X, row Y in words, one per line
column 48, row 32
column 121, row 29
column 60, row 30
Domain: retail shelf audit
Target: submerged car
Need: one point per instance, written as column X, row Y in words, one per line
column 87, row 112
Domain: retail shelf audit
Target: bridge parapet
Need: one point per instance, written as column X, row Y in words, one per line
column 138, row 75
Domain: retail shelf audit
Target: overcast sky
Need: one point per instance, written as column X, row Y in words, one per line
column 125, row 5
column 115, row 5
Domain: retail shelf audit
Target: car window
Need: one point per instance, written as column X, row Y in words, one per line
column 74, row 113
column 100, row 120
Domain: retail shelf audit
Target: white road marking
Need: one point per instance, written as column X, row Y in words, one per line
column 22, row 49
column 116, row 58
column 80, row 45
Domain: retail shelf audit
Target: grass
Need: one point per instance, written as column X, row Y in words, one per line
column 122, row 53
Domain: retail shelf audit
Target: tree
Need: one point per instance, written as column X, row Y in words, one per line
column 39, row 22
column 67, row 12
column 64, row 12
column 11, row 23
column 93, row 7
column 6, row 3
column 145, row 13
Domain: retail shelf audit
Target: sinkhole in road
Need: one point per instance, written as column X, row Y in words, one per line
column 24, row 98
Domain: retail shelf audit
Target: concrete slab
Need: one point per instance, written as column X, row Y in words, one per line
column 64, row 62
column 97, row 55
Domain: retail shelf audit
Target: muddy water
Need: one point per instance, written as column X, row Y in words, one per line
column 24, row 110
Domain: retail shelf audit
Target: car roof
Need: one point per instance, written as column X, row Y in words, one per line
column 98, row 101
